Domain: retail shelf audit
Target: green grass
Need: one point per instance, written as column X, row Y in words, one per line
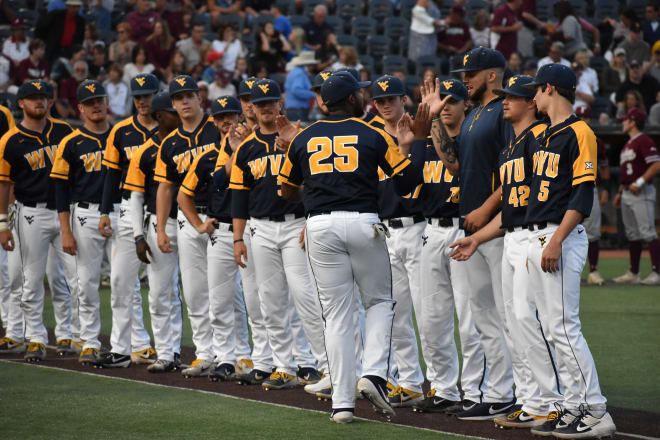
column 63, row 404
column 621, row 325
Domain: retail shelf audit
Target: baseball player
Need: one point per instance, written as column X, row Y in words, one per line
column 443, row 288
column 178, row 150
column 317, row 82
column 27, row 152
column 163, row 268
column 275, row 226
column 128, row 336
column 601, row 195
column 541, row 389
column 640, row 163
column 79, row 178
column 403, row 216
column 561, row 193
column 474, row 158
column 244, row 90
column 344, row 232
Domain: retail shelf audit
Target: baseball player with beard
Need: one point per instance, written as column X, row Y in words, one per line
column 128, row 336
column 344, row 232
column 403, row 216
column 244, row 91
column 541, row 388
column 163, row 268
column 196, row 134
column 79, row 178
column 230, row 356
column 275, row 226
column 443, row 287
column 640, row 163
column 27, row 153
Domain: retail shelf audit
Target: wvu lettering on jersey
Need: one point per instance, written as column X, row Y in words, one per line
column 37, row 159
column 186, row 158
column 92, row 161
column 546, row 164
column 259, row 166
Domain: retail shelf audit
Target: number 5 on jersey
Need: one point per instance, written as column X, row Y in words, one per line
column 321, row 148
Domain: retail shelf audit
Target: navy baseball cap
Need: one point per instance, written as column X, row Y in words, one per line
column 162, row 103
column 245, row 87
column 339, row 86
column 454, row 88
column 91, row 89
column 387, row 85
column 265, row 90
column 317, row 82
column 183, row 83
column 50, row 91
column 225, row 104
column 144, row 84
column 33, row 88
column 352, row 71
column 481, row 58
column 516, row 86
column 556, row 75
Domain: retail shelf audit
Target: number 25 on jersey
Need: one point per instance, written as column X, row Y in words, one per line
column 345, row 158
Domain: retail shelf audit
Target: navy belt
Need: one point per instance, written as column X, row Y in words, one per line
column 314, row 214
column 216, row 225
column 397, row 223
column 85, row 205
column 201, row 209
column 537, row 226
column 445, row 222
column 279, row 218
column 36, row 204
column 513, row 228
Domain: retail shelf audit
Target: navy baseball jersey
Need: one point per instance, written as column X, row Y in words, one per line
column 516, row 174
column 341, row 172
column 180, row 148
column 6, row 120
column 125, row 138
column 440, row 192
column 199, row 180
column 374, row 120
column 257, row 165
column 566, row 157
column 483, row 135
column 78, row 161
column 636, row 156
column 140, row 175
column 26, row 160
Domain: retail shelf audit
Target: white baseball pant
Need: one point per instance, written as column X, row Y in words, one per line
column 194, row 274
column 243, row 349
column 164, row 299
column 638, row 214
column 444, row 288
column 592, row 223
column 64, row 292
column 557, row 297
column 281, row 267
column 484, row 274
column 91, row 247
column 539, row 389
column 343, row 250
column 405, row 250
column 14, row 323
column 128, row 332
column 5, row 289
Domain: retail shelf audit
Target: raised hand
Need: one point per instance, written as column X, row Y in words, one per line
column 422, row 124
column 404, row 133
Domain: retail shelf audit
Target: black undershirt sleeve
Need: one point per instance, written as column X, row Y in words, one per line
column 239, row 203
column 582, row 198
column 110, row 189
column 62, row 195
column 220, row 180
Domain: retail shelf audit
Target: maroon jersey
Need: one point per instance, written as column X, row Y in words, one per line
column 636, row 156
column 508, row 41
column 602, row 159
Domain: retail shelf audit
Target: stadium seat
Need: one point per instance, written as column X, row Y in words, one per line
column 233, row 19
column 29, row 17
column 600, row 105
column 348, row 9
column 368, row 63
column 544, row 9
column 347, row 40
column 580, row 7
column 284, row 6
column 403, row 46
column 639, row 6
column 378, row 46
column 311, row 4
column 380, row 10
column 598, row 63
column 406, row 8
column 336, row 23
column 396, row 27
column 362, row 28
column 279, row 78
column 428, row 62
column 413, row 81
column 474, row 6
column 394, row 62
column 249, row 42
column 299, row 20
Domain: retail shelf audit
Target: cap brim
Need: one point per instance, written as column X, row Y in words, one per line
column 93, row 97
column 223, row 111
column 46, row 94
column 453, row 95
column 315, row 88
column 534, row 84
column 264, row 99
column 144, row 92
column 387, row 95
column 363, row 84
column 507, row 91
column 183, row 90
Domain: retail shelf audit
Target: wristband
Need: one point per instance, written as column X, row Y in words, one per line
column 437, row 118
column 639, row 182
column 3, row 228
column 4, row 216
column 139, row 238
column 240, row 240
column 105, row 215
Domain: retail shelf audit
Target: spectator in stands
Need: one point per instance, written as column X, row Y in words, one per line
column 589, row 76
column 98, row 68
column 69, row 87
column 556, row 55
column 101, row 12
column 215, row 59
column 614, row 74
column 348, row 57
column 222, row 85
column 60, row 109
column 651, row 27
column 398, row 73
column 584, row 95
column 240, row 72
column 653, row 68
column 218, row 8
column 316, row 29
column 505, row 26
column 297, row 86
column 91, row 39
column 569, row 30
column 454, row 38
column 637, row 80
column 160, row 45
column 63, row 67
column 480, row 30
column 636, row 48
column 230, row 46
column 272, row 48
column 255, row 8
column 118, row 94
column 632, row 99
column 328, row 54
column 654, row 112
column 619, row 29
column 282, row 22
column 529, row 67
column 139, row 64
column 514, row 63
column 172, row 13
column 5, row 71
column 204, row 100
column 142, row 21
column 61, row 30
column 195, row 47
column 34, row 66
column 422, row 40
column 15, row 48
column 120, row 51
column 429, row 75
column 177, row 66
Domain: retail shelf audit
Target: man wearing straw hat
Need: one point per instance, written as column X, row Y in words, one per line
column 297, row 87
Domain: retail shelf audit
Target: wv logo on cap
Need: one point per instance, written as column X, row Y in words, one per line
column 249, row 84
column 91, row 88
column 384, row 85
column 141, row 80
column 264, row 88
column 465, row 58
column 37, row 85
column 181, row 81
column 447, row 84
column 512, row 80
column 325, row 75
column 223, row 102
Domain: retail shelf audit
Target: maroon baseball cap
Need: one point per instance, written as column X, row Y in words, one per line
column 458, row 9
column 18, row 23
column 636, row 115
column 583, row 111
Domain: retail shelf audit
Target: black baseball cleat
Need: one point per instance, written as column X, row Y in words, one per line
column 114, row 360
column 587, row 426
column 433, row 404
column 161, row 366
column 463, row 405
column 254, row 377
column 553, row 419
column 308, row 375
column 485, row 411
column 373, row 388
column 223, row 372
column 177, row 361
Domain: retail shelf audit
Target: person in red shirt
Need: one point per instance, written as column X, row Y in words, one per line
column 640, row 162
column 61, row 30
column 142, row 21
column 455, row 38
column 505, row 26
column 33, row 67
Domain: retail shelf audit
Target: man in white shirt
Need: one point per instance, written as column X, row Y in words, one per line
column 16, row 47
column 556, row 55
column 221, row 86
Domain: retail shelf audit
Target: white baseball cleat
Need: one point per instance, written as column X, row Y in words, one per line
column 376, row 394
column 322, row 384
column 342, row 415
column 199, row 367
column 595, row 279
column 588, row 426
column 652, row 280
column 627, row 278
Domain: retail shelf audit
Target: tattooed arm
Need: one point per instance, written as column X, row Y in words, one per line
column 445, row 146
